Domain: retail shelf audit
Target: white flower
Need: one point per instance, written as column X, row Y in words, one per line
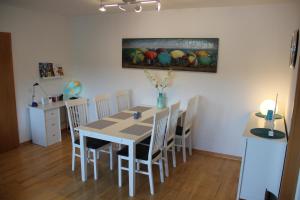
column 159, row 83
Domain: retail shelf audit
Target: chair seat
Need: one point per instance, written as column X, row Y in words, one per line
column 179, row 130
column 141, row 152
column 148, row 139
column 93, row 143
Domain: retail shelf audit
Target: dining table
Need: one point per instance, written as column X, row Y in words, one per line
column 119, row 128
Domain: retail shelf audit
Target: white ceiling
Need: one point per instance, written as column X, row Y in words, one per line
column 90, row 7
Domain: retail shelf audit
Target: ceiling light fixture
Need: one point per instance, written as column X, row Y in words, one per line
column 138, row 9
column 122, row 8
column 138, row 5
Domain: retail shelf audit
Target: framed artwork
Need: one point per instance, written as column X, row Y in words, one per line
column 294, row 49
column 48, row 71
column 186, row 54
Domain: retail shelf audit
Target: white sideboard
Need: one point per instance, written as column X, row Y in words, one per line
column 262, row 162
column 45, row 123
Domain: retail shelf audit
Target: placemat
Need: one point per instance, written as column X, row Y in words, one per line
column 264, row 132
column 136, row 130
column 122, row 115
column 148, row 121
column 259, row 114
column 100, row 124
column 140, row 108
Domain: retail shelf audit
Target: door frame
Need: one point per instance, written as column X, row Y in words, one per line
column 292, row 160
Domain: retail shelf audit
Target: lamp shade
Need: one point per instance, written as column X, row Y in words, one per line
column 267, row 105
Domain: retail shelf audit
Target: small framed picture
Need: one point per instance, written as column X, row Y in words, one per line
column 294, row 49
column 46, row 70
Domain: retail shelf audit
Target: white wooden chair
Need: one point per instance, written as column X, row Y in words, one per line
column 169, row 141
column 78, row 115
column 185, row 133
column 123, row 100
column 148, row 155
column 102, row 103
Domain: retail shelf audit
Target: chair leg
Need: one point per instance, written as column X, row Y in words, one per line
column 111, row 156
column 98, row 155
column 120, row 171
column 95, row 164
column 73, row 158
column 161, row 170
column 183, row 149
column 138, row 166
column 173, row 156
column 190, row 145
column 166, row 161
column 150, row 174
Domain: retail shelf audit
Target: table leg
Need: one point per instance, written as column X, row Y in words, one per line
column 131, row 165
column 83, row 158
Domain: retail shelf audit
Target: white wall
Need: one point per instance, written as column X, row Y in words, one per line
column 36, row 37
column 253, row 63
column 293, row 82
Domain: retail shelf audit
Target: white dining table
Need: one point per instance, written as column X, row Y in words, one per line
column 115, row 129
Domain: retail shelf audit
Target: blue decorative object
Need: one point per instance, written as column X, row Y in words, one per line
column 269, row 115
column 72, row 89
column 161, row 101
column 137, row 115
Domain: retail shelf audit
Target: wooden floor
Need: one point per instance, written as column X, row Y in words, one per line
column 33, row 172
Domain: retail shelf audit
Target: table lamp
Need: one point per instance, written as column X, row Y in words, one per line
column 35, row 84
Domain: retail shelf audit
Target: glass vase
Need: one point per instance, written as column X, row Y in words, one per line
column 161, row 100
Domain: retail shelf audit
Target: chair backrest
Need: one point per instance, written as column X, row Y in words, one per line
column 77, row 115
column 190, row 114
column 172, row 122
column 102, row 103
column 123, row 100
column 158, row 131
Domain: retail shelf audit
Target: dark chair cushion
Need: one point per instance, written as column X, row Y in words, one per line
column 146, row 141
column 141, row 152
column 92, row 143
column 169, row 142
column 179, row 130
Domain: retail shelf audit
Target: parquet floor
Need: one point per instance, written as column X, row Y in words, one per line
column 32, row 172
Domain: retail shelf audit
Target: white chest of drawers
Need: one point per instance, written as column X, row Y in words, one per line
column 45, row 124
column 262, row 162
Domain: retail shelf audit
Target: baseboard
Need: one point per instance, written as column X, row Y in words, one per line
column 219, row 155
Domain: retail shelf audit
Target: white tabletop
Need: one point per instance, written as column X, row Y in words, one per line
column 115, row 130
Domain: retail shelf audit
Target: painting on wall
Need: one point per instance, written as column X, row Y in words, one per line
column 49, row 71
column 294, row 49
column 186, row 54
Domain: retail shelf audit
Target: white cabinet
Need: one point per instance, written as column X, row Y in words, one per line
column 46, row 124
column 262, row 163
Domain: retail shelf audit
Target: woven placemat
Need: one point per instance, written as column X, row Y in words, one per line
column 140, row 109
column 100, row 124
column 136, row 130
column 264, row 133
column 148, row 121
column 121, row 115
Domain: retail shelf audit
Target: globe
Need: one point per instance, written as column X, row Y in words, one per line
column 72, row 89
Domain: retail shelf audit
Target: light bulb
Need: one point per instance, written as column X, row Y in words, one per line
column 102, row 8
column 267, row 105
column 158, row 6
column 138, row 9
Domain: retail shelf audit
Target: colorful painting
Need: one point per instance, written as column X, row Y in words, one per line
column 189, row 54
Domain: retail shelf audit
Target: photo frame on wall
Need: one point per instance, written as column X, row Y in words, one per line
column 294, row 49
column 184, row 54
